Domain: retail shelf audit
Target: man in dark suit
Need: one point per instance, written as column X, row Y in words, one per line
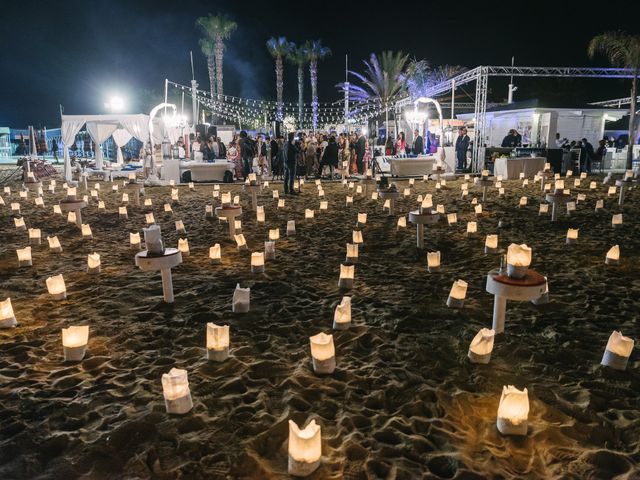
column 462, row 145
column 418, row 143
column 360, row 147
column 290, row 165
column 586, row 156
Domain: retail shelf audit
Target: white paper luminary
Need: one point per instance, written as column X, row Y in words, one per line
column 122, row 212
column 19, row 223
column 342, row 314
column 472, row 228
column 374, row 196
column 7, row 189
column 281, row 203
column 616, row 220
column 474, row 201
column 440, row 208
column 576, row 183
column 134, row 240
column 387, row 204
column 457, row 294
column 324, row 206
column 592, row 185
column 305, row 449
column 485, row 173
column 168, row 209
column 241, row 299
column 525, row 182
column 269, row 250
column 309, row 214
column 241, row 243
column 24, row 257
column 613, row 256
column 321, row 193
column 558, row 186
column 425, row 178
column 433, row 261
column 412, row 181
column 216, row 187
column 571, row 207
column 93, row 263
column 180, row 227
column 183, row 246
column 236, row 200
column 274, row 234
column 71, row 217
column 257, row 262
column 71, row 194
column 352, row 252
column 356, row 237
column 491, row 244
column 265, row 184
column 56, row 287
column 402, row 222
column 125, row 198
column 215, row 193
column 362, row 219
column 346, row 279
column 74, row 343
column 217, row 342
column 349, row 201
column 583, row 175
column 323, row 353
column 7, row 317
column 149, row 218
column 612, row 191
column 518, row 260
column 426, row 205
column 478, row 209
column 513, row 411
column 153, row 240
column 175, row 195
column 406, row 192
column 54, row 245
column 39, row 202
column 2, row 201
column 260, row 216
column 215, row 254
column 572, row 235
column 192, row 186
column 359, row 190
column 351, row 185
column 101, row 206
column 276, row 195
column 521, row 176
column 523, row 201
column 87, row 234
column 482, row 346
column 35, row 236
column 114, row 188
column 599, row 204
column 175, row 388
column 291, row 228
column 544, row 208
column 618, row 350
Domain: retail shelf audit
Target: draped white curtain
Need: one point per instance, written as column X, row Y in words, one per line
column 120, row 138
column 99, row 132
column 137, row 126
column 71, row 125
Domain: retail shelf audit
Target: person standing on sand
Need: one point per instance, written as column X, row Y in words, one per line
column 290, row 165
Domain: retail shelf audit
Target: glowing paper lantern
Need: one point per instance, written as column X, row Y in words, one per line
column 482, row 346
column 308, row 214
column 265, row 184
column 478, row 209
column 54, row 245
column 175, row 388
column 351, row 185
column 491, row 244
column 241, row 243
column 613, row 256
column 440, row 208
column 257, row 262
column 175, row 195
column 19, row 223
column 183, row 246
column 352, row 252
column 356, row 237
column 346, row 279
column 518, row 260
column 71, row 217
column 472, row 227
column 616, row 220
column 274, row 234
column 559, row 186
column 576, row 183
column 260, row 217
column 7, row 317
column 215, row 193
column 349, row 200
column 501, row 191
column 342, row 314
column 276, row 195
column 525, row 182
column 571, row 207
column 513, row 411
column 56, row 287
column 269, row 250
column 241, row 299
column 523, row 201
column 217, row 342
column 86, row 231
column 387, row 204
column 452, row 218
column 402, row 222
column 180, row 227
column 433, row 261
column 618, row 350
column 406, row 192
column 374, row 196
column 134, row 240
column 426, row 204
column 74, row 343
column 359, row 190
column 544, row 208
column 324, row 206
column 611, row 191
column 215, row 254
column 35, row 236
column 323, row 353
column 457, row 294
column 291, row 228
column 24, row 257
column 71, row 194
column 125, row 198
column 39, row 202
column 593, row 186
column 122, row 213
column 320, row 193
column 281, row 203
column 305, row 449
column 362, row 219
column 101, row 206
column 93, row 263
column 599, row 204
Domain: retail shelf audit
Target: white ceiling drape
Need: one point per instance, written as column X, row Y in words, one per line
column 120, row 138
column 99, row 132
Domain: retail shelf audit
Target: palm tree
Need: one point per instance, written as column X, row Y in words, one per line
column 217, row 29
column 621, row 50
column 279, row 48
column 299, row 57
column 315, row 51
column 383, row 80
column 208, row 48
column 421, row 76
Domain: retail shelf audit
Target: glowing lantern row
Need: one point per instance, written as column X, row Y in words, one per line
column 134, row 240
column 613, row 256
column 7, row 317
column 217, row 342
column 269, row 250
column 305, row 449
column 491, row 244
column 215, row 254
column 93, row 263
column 56, row 287
column 183, row 246
column 257, row 262
column 175, row 388
column 24, row 257
column 54, row 245
column 346, row 279
column 513, row 411
column 433, row 261
column 291, row 228
column 241, row 299
column 518, row 260
column 572, row 235
column 481, row 346
column 323, row 353
column 260, row 215
column 241, row 243
column 352, row 252
column 74, row 343
column 342, row 314
column 617, row 352
column 457, row 294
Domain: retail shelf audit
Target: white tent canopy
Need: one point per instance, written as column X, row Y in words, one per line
column 101, row 127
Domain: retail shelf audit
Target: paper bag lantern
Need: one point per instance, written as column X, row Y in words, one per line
column 168, row 209
column 216, row 187
column 440, row 208
column 241, row 243
column 374, row 196
column 406, row 192
column 572, row 235
column 438, row 185
column 87, row 234
column 320, row 192
column 525, row 182
column 412, row 181
column 208, row 211
column 215, row 254
column 71, row 194
column 356, row 237
column 349, row 201
column 491, row 244
column 513, row 411
column 56, row 287
column 122, row 212
column 308, row 214
column 426, row 204
column 613, row 256
column 39, row 202
column 7, row 189
column 457, row 294
column 217, row 342
column 54, row 245
column 180, row 227
column 125, row 198
column 175, row 388
column 352, row 252
column 74, row 343
column 19, row 223
column 134, row 240
column 101, row 206
column 175, row 195
column 599, row 204
column 478, row 209
column 93, row 263
column 342, row 314
column 269, row 250
column 472, row 227
column 291, row 228
column 523, row 201
column 7, row 317
column 257, row 262
column 618, row 350
column 35, row 236
column 351, row 185
column 215, row 193
column 559, row 186
column 274, row 234
column 153, row 240
column 281, row 203
column 276, row 195
column 347, row 273
column 452, row 218
column 323, row 353
column 260, row 216
column 593, row 186
column 576, row 183
column 359, row 190
column 183, row 246
column 387, row 204
column 544, row 208
column 611, row 191
column 149, row 218
column 616, row 220
column 402, row 222
column 2, row 201
column 433, row 261
column 305, row 449
column 71, row 217
column 485, row 173
column 362, row 219
column 482, row 346
column 24, row 257
column 581, row 197
column 241, row 299
column 15, row 208
column 265, row 184
column 571, row 207
column 518, row 260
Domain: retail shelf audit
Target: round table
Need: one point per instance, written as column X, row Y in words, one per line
column 483, row 183
column 253, row 191
column 420, row 219
column 165, row 262
column 230, row 212
column 554, row 199
column 73, row 206
column 392, row 196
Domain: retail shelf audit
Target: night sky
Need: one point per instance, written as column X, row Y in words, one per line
column 78, row 53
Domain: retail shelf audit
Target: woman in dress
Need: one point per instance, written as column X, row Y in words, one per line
column 401, row 145
column 233, row 155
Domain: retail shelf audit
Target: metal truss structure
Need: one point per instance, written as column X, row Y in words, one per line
column 616, row 102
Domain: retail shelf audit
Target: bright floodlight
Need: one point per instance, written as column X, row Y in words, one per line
column 115, row 104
